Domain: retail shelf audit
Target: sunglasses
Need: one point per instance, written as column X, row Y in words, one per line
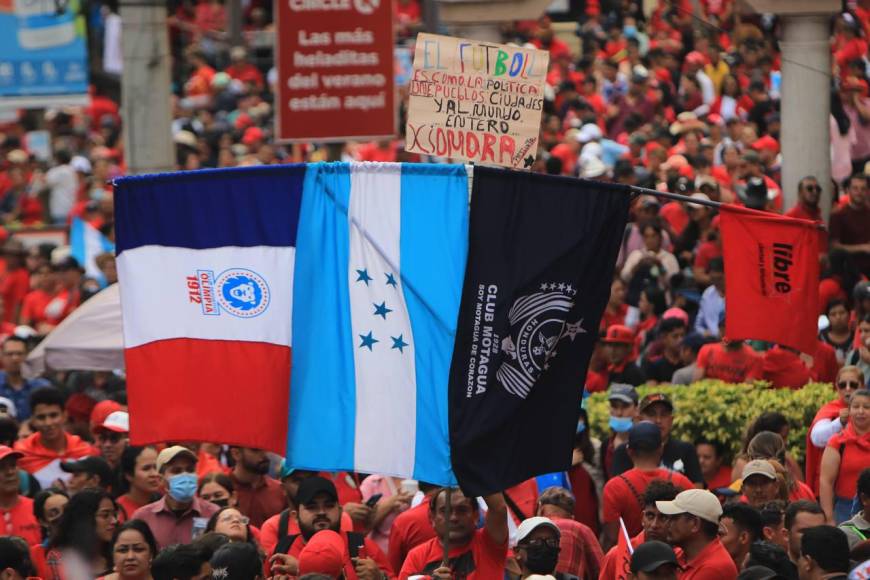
column 849, row 385
column 813, row 188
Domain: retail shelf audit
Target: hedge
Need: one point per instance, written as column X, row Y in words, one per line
column 723, row 411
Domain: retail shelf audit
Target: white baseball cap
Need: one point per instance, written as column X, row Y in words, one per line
column 117, row 421
column 698, row 502
column 10, row 407
column 531, row 524
column 759, row 467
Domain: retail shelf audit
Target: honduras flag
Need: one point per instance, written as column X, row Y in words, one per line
column 86, row 243
column 379, row 274
column 206, row 269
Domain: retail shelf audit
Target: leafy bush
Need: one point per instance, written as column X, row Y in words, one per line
column 723, row 411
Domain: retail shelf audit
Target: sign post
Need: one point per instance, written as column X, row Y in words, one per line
column 477, row 101
column 335, row 70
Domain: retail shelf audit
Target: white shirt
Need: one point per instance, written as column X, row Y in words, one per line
column 667, row 259
column 64, row 183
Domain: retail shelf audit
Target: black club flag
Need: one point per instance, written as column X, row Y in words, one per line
column 541, row 256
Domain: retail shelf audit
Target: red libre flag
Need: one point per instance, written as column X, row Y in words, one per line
column 771, row 277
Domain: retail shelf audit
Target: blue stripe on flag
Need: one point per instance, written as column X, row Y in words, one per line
column 250, row 206
column 434, row 244
column 322, row 392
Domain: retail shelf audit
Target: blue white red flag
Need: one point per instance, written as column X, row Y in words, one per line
column 205, row 264
column 379, row 271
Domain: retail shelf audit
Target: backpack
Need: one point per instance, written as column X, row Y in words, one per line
column 355, row 540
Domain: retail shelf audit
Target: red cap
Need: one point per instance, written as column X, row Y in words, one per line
column 252, row 134
column 243, row 121
column 619, row 334
column 677, row 313
column 79, row 406
column 101, row 411
column 324, row 554
column 766, row 142
column 6, row 451
column 696, row 57
column 715, row 119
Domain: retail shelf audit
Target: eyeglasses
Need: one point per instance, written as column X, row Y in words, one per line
column 813, row 188
column 854, row 385
column 232, row 518
column 538, row 542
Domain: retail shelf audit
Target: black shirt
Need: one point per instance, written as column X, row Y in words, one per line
column 675, row 450
column 661, row 369
column 631, row 374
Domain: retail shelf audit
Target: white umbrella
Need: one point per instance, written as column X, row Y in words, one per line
column 88, row 339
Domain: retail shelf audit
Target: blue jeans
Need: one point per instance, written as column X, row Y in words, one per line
column 842, row 509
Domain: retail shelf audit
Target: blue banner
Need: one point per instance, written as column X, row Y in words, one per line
column 43, row 49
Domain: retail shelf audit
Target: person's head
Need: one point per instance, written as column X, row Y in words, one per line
column 773, row 523
column 139, row 469
column 48, row 506
column 618, row 342
column 863, row 491
column 672, row 332
column 716, row 271
column 230, row 522
column 237, row 561
column 774, row 557
column 711, row 455
column 556, row 502
column 92, row 472
column 177, row 466
column 837, row 312
column 859, row 410
column 9, row 480
column 690, row 346
column 739, row 526
column 133, row 549
column 14, row 351
column 856, row 187
column 799, row 516
column 652, row 236
column 112, row 436
column 692, row 516
column 766, row 445
column 824, row 550
column 645, row 443
column 217, row 488
column 317, row 506
column 291, row 479
column 537, row 549
column 653, row 560
column 809, row 191
column 459, row 512
column 657, row 408
column 623, row 406
column 655, row 523
column 617, row 292
column 760, row 482
column 249, row 460
column 88, row 524
column 323, row 554
column 47, row 414
column 182, row 562
column 849, row 380
column 652, row 301
column 15, row 563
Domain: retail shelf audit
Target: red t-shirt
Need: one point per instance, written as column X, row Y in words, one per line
column 825, row 364
column 783, row 368
column 13, row 288
column 20, row 521
column 480, row 559
column 40, row 306
column 731, row 366
column 854, row 457
column 799, row 491
column 269, row 531
column 623, row 495
column 711, row 563
column 721, row 479
column 410, row 529
column 706, row 252
column 609, row 318
column 128, row 506
column 615, row 565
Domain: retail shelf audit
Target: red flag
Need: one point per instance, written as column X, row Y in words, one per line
column 771, row 276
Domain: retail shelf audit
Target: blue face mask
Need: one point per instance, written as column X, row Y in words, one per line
column 182, row 487
column 581, row 427
column 629, row 31
column 621, row 424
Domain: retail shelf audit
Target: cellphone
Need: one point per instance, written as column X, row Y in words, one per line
column 374, row 500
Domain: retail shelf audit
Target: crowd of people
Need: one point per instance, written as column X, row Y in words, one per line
column 662, row 98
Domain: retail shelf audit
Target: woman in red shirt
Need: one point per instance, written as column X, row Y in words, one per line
column 141, row 480
column 845, row 456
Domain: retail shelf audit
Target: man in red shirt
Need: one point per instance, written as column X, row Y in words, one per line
column 693, row 526
column 411, row 528
column 242, row 70
column 259, row 496
column 43, row 451
column 731, row 361
column 318, row 509
column 807, row 207
column 623, row 494
column 740, row 526
column 16, row 512
column 474, row 554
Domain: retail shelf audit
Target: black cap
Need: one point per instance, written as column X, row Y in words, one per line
column 654, row 398
column 650, row 555
column 92, row 465
column 310, row 487
column 644, row 436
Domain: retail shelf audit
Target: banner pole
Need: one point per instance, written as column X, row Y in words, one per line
column 445, row 540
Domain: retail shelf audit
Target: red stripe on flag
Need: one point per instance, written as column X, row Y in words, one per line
column 219, row 391
column 771, row 277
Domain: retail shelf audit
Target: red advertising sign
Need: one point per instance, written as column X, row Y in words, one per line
column 335, row 70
